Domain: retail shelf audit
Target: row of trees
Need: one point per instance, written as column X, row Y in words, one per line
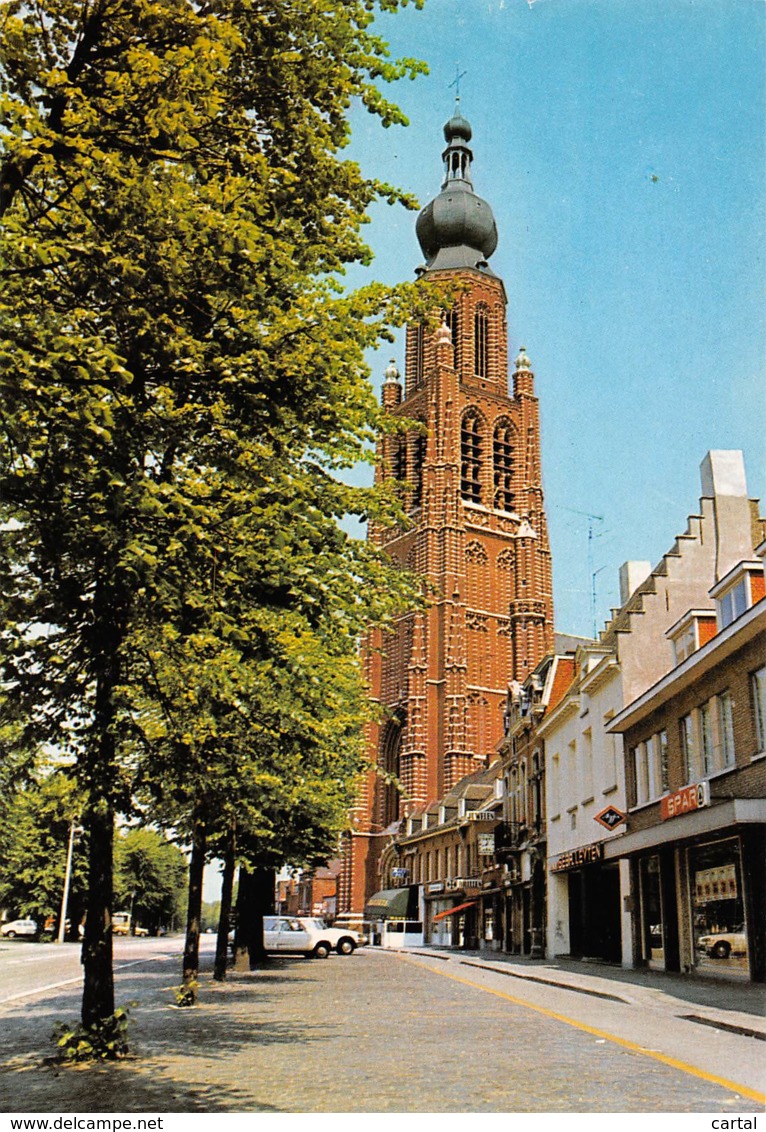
column 182, row 382
column 150, row 872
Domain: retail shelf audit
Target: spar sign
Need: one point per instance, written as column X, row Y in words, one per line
column 683, row 801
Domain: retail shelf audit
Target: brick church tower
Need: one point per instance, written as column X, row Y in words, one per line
column 472, row 488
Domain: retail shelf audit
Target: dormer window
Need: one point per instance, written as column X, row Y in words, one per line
column 691, row 632
column 742, row 587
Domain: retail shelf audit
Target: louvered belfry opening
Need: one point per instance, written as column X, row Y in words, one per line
column 503, row 460
column 470, row 458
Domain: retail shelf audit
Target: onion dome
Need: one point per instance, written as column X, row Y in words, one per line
column 523, row 364
column 391, row 374
column 457, row 228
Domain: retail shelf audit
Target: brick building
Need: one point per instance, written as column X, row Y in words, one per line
column 445, row 853
column 696, row 792
column 471, row 484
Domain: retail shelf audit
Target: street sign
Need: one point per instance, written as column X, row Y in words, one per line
column 610, row 817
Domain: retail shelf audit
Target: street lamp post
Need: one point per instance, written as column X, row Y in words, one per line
column 74, row 829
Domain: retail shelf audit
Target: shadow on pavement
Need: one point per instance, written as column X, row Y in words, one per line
column 172, row 1067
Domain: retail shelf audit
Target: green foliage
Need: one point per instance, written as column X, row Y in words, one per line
column 211, row 911
column 107, row 1040
column 187, row 993
column 33, row 848
column 181, row 380
column 150, row 878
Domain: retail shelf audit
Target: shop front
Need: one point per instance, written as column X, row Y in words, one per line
column 593, row 903
column 491, row 935
column 463, row 921
column 698, row 899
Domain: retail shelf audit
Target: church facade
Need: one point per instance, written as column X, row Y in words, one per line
column 469, row 475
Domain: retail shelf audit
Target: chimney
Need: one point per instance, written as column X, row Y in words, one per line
column 632, row 574
column 723, row 479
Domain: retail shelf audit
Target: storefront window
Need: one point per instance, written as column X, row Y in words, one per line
column 652, row 936
column 718, row 909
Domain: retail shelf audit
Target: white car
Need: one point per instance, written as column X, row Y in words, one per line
column 720, row 945
column 18, row 927
column 309, row 937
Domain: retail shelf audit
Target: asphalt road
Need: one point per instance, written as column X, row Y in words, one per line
column 29, row 969
column 374, row 1032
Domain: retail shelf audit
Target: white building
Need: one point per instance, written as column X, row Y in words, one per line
column 589, row 898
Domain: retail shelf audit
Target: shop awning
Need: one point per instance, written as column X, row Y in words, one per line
column 389, row 902
column 457, row 908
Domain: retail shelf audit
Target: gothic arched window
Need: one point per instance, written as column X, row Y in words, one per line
column 480, row 341
column 452, row 320
column 399, row 459
column 390, row 764
column 503, row 462
column 418, row 455
column 471, row 456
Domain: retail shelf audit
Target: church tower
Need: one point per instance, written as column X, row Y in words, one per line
column 472, row 488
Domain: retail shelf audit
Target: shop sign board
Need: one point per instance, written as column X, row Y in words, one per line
column 576, row 858
column 399, row 873
column 436, row 886
column 486, row 844
column 683, row 801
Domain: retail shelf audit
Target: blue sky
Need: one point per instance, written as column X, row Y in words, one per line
column 622, row 146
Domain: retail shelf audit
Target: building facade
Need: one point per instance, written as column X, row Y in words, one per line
column 696, row 793
column 591, row 883
column 470, row 480
column 521, row 838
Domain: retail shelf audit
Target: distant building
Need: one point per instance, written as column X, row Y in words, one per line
column 445, row 854
column 470, row 481
column 521, row 838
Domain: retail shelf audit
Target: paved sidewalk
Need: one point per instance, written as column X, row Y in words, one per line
column 739, row 1006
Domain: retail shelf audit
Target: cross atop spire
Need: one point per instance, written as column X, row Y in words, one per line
column 456, row 83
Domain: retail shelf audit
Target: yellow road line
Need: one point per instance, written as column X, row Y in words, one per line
column 742, row 1090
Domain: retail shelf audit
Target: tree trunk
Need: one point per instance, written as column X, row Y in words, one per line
column 194, row 913
column 98, row 819
column 98, row 980
column 256, row 899
column 227, row 889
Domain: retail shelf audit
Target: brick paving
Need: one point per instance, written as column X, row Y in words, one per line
column 371, row 1033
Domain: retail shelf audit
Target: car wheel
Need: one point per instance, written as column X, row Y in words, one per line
column 321, row 951
column 722, row 949
column 346, row 946
column 10, row 935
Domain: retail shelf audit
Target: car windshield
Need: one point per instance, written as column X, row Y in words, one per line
column 319, row 924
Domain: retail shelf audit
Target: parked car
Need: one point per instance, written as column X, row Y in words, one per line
column 18, row 927
column 309, row 937
column 720, row 945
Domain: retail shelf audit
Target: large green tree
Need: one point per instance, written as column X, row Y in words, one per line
column 180, row 376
